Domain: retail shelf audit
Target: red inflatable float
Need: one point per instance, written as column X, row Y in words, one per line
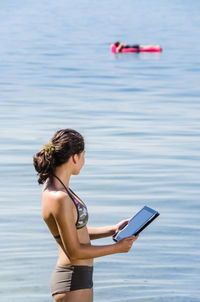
column 142, row 48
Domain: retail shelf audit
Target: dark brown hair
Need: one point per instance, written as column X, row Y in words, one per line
column 62, row 146
column 117, row 44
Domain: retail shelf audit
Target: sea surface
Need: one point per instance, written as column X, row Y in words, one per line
column 140, row 116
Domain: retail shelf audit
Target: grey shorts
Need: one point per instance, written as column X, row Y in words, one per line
column 69, row 278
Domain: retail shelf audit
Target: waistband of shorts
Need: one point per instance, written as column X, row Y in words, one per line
column 75, row 267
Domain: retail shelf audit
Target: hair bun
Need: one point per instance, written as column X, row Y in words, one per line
column 49, row 148
column 64, row 144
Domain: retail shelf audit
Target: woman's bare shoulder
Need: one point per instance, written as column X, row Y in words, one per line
column 55, row 201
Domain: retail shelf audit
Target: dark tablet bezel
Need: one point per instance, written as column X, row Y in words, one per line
column 155, row 215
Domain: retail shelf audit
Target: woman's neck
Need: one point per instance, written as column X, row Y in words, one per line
column 64, row 175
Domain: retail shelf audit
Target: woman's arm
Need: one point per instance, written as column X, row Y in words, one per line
column 119, row 48
column 107, row 231
column 63, row 214
column 101, row 232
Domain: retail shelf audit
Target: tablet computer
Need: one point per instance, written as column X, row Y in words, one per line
column 137, row 223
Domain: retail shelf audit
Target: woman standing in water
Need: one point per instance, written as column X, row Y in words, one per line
column 66, row 217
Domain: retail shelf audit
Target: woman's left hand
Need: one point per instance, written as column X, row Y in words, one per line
column 119, row 226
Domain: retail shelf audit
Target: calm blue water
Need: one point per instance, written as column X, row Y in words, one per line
column 140, row 115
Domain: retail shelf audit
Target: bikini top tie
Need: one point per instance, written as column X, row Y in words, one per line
column 82, row 213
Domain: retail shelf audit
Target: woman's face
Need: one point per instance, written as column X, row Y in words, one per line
column 79, row 160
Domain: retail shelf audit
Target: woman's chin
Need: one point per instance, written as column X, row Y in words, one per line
column 76, row 172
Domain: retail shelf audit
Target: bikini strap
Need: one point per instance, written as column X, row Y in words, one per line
column 69, row 191
column 62, row 184
column 58, row 236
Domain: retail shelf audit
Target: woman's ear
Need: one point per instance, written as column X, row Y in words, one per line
column 75, row 158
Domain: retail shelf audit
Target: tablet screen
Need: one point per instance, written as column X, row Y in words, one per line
column 137, row 222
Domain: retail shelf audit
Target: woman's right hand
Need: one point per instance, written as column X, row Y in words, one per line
column 125, row 244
